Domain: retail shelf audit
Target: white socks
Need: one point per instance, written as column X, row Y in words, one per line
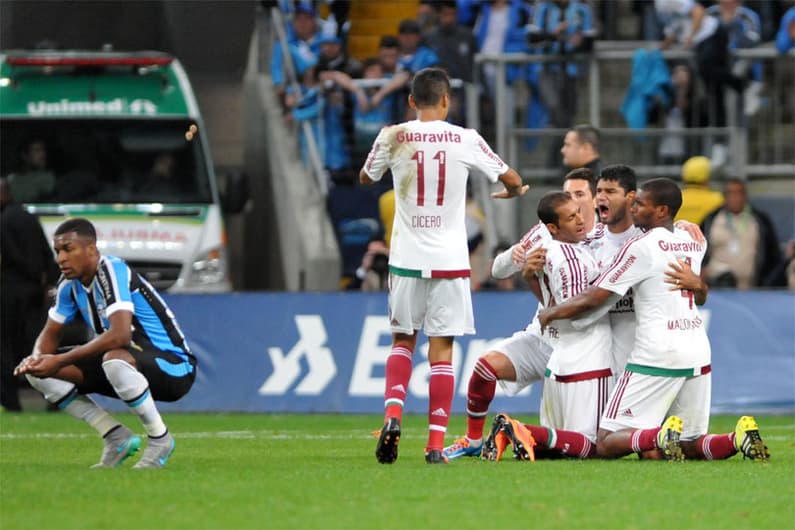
column 129, row 384
column 77, row 405
column 133, row 388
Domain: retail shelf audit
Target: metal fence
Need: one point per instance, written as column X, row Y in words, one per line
column 759, row 146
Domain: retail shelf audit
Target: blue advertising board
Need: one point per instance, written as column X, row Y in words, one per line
column 325, row 352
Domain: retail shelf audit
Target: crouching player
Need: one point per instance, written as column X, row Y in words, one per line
column 138, row 353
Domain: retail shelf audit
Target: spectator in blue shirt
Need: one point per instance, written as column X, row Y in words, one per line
column 562, row 28
column 743, row 29
column 414, row 56
column 785, row 38
column 500, row 28
column 302, row 39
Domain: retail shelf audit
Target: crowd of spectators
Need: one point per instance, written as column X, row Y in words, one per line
column 347, row 101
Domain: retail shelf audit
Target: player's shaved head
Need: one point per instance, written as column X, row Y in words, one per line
column 549, row 204
column 429, row 87
column 664, row 192
column 82, row 227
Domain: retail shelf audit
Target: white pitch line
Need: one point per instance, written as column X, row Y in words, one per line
column 763, row 428
column 227, row 435
column 286, row 435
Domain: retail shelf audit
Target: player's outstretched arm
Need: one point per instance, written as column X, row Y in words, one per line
column 589, row 299
column 513, row 185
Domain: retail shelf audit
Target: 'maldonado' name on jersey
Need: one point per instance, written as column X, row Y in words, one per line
column 430, row 163
column 117, row 287
column 669, row 332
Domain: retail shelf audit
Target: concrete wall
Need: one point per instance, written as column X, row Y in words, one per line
column 296, row 237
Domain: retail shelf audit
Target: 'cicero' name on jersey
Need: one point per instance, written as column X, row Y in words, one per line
column 426, row 221
column 690, row 246
column 623, row 268
column 446, row 136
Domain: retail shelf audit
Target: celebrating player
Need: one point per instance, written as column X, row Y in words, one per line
column 578, row 372
column 668, row 371
column 429, row 261
column 522, row 358
column 138, row 353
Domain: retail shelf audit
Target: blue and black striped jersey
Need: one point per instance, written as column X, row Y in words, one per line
column 118, row 287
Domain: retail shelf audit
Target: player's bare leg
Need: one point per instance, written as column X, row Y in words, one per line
column 615, row 444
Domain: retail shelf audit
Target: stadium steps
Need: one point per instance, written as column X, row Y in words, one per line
column 372, row 20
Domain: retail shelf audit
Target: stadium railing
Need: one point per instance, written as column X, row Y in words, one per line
column 759, row 146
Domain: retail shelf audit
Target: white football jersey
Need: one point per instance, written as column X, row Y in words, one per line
column 596, row 232
column 568, row 271
column 622, row 314
column 430, row 163
column 669, row 330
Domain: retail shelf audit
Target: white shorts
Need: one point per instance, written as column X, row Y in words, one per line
column 576, row 406
column 641, row 401
column 528, row 353
column 441, row 307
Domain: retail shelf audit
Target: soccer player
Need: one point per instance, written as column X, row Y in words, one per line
column 138, row 353
column 578, row 372
column 668, row 371
column 615, row 193
column 522, row 358
column 581, row 184
column 429, row 261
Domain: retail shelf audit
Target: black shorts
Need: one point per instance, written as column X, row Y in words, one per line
column 169, row 375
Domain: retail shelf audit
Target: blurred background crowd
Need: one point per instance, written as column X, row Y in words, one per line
column 698, row 91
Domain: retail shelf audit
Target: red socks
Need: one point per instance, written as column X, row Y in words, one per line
column 567, row 442
column 644, row 440
column 482, row 385
column 398, row 373
column 440, row 397
column 716, row 446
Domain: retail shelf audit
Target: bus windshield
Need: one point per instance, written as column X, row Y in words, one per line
column 61, row 161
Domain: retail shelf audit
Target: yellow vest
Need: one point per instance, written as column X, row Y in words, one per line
column 697, row 203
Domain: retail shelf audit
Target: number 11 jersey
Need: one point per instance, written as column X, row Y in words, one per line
column 430, row 163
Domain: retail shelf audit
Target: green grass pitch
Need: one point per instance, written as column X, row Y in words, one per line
column 318, row 471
